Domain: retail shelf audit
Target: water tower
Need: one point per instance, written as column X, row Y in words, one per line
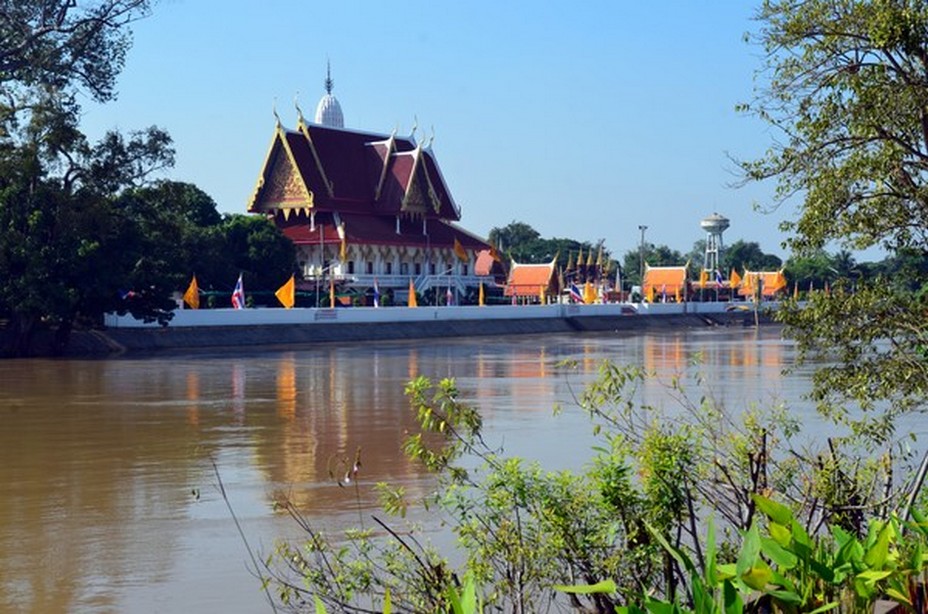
column 714, row 225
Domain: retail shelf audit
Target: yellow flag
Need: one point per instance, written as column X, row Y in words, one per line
column 331, row 292
column 795, row 290
column 589, row 294
column 286, row 294
column 703, row 278
column 734, row 280
column 192, row 295
column 480, row 297
column 412, row 295
column 541, row 294
column 676, row 294
column 779, row 281
column 459, row 251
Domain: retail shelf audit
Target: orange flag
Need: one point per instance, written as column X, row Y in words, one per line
column 331, row 292
column 734, row 280
column 192, row 295
column 286, row 294
column 412, row 295
column 459, row 251
column 480, row 297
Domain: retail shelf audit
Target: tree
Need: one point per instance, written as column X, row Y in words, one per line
column 846, row 84
column 59, row 230
column 257, row 248
column 742, row 255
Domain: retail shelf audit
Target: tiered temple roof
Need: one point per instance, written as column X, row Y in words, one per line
column 322, row 184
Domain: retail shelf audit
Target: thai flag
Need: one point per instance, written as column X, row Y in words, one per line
column 376, row 294
column 238, row 295
column 449, row 298
column 718, row 277
column 575, row 295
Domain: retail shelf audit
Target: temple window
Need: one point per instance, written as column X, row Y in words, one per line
column 351, row 267
column 431, row 268
column 404, row 268
column 418, row 268
column 389, row 268
column 464, row 269
column 370, row 267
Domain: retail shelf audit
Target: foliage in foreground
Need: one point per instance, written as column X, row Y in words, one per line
column 628, row 531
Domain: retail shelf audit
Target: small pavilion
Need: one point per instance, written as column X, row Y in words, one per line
column 532, row 282
column 663, row 284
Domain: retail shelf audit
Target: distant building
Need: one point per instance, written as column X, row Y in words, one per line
column 361, row 206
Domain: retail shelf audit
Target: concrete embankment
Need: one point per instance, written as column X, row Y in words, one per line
column 131, row 340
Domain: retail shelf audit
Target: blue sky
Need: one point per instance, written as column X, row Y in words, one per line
column 584, row 120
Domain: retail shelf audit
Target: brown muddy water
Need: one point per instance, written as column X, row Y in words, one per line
column 109, row 502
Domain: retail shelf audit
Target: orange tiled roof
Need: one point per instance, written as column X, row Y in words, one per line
column 668, row 278
column 773, row 282
column 528, row 279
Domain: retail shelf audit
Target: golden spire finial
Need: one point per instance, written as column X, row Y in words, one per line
column 296, row 103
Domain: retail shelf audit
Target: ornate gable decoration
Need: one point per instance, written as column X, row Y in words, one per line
column 281, row 187
column 420, row 194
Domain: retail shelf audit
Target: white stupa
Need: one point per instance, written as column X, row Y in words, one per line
column 328, row 111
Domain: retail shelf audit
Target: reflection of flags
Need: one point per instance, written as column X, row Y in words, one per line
column 459, row 251
column 192, row 295
column 575, row 295
column 286, row 294
column 480, row 297
column 343, row 248
column 412, row 302
column 238, row 295
column 376, row 294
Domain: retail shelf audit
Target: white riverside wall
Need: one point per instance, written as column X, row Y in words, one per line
column 359, row 315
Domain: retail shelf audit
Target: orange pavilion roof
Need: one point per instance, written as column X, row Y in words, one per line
column 665, row 277
column 529, row 279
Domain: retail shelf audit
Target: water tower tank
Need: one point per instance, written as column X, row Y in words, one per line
column 714, row 225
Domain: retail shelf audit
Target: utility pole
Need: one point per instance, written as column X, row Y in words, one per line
column 642, row 228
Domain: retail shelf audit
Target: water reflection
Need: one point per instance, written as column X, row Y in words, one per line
column 109, row 502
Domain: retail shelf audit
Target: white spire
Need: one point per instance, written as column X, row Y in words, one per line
column 328, row 111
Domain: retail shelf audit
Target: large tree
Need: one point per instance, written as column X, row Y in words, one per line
column 59, row 230
column 846, row 84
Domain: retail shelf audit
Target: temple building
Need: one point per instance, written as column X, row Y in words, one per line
column 366, row 210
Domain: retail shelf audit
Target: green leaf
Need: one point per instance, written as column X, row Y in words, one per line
column 758, row 577
column 825, row 608
column 750, row 551
column 873, row 576
column 876, row 555
column 320, row 607
column 731, row 596
column 778, row 554
column 786, row 596
column 894, row 594
column 780, row 533
column 606, row 586
column 387, row 602
column 776, row 512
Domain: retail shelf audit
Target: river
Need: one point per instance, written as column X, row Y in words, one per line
column 110, row 503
